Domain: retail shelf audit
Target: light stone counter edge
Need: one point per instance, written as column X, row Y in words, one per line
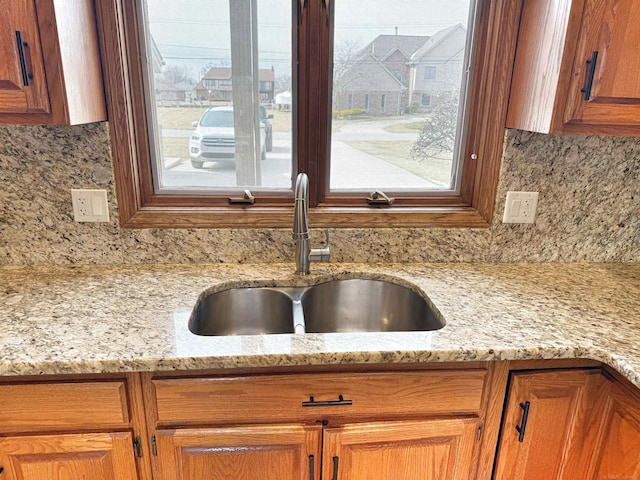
column 96, row 319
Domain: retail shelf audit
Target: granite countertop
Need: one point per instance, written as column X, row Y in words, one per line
column 94, row 319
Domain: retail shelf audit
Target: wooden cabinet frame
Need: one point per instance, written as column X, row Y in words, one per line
column 472, row 434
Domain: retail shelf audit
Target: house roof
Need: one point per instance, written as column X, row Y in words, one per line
column 217, row 73
column 156, row 57
column 383, row 45
column 436, row 40
column 368, row 73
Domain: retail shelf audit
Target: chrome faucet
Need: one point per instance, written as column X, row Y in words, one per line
column 304, row 253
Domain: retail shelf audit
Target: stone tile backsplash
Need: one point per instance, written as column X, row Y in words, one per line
column 588, row 210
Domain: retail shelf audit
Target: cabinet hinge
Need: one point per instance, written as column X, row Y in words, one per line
column 154, row 446
column 479, row 434
column 137, row 447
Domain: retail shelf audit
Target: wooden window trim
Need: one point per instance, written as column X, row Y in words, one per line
column 140, row 207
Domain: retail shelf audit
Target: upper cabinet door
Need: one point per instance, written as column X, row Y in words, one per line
column 50, row 70
column 610, row 42
column 577, row 68
column 23, row 87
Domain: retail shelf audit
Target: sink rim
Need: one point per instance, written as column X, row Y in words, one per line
column 295, row 288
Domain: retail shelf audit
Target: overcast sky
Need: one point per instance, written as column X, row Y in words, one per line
column 196, row 32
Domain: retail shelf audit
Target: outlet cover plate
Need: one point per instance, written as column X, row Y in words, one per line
column 90, row 205
column 520, row 207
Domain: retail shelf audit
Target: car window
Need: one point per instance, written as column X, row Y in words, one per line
column 217, row 118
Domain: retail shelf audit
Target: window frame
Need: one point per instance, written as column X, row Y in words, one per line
column 140, row 207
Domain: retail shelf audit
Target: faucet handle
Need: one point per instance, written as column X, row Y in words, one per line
column 322, row 254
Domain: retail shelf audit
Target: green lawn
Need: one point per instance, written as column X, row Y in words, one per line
column 181, row 117
column 398, row 153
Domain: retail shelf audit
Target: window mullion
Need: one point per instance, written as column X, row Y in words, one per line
column 314, row 99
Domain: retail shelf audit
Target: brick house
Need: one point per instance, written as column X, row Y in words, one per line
column 216, row 85
column 394, row 71
column 436, row 68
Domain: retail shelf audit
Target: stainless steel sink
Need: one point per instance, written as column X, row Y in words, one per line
column 351, row 305
column 366, row 306
column 243, row 311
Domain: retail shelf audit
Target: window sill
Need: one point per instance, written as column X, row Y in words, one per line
column 320, row 217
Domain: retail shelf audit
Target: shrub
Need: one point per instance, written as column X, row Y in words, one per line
column 351, row 112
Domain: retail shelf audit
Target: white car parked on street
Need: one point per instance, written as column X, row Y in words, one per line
column 214, row 137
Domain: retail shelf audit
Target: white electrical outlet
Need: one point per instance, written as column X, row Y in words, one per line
column 520, row 207
column 90, row 205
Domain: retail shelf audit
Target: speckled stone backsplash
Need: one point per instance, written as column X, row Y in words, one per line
column 588, row 210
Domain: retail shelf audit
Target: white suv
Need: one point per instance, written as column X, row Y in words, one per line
column 214, row 138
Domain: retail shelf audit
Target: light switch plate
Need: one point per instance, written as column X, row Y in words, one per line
column 520, row 207
column 90, row 205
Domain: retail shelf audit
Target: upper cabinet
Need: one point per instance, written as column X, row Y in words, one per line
column 50, row 69
column 577, row 68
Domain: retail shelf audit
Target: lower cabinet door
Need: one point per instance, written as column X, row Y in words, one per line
column 424, row 450
column 619, row 453
column 550, row 425
column 278, row 452
column 95, row 456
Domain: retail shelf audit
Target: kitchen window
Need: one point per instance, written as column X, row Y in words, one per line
column 240, row 113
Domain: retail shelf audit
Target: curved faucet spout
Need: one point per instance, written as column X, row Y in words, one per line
column 303, row 252
column 301, row 208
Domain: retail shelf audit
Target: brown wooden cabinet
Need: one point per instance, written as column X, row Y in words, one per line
column 576, row 68
column 95, row 456
column 437, row 423
column 618, row 452
column 285, row 452
column 373, row 425
column 430, row 449
column 69, row 429
column 50, row 70
column 550, row 424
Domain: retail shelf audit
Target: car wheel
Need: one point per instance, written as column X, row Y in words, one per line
column 269, row 142
column 196, row 163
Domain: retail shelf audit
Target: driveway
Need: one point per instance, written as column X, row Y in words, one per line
column 350, row 167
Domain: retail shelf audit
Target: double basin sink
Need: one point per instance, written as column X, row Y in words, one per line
column 349, row 305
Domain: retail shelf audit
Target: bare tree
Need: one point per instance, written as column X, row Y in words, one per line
column 177, row 73
column 438, row 134
column 283, row 83
column 344, row 57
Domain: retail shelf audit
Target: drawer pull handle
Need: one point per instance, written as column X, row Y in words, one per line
column 327, row 403
column 523, row 423
column 591, row 71
column 335, row 468
column 23, row 61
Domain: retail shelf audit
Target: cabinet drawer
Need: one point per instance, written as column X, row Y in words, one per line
column 59, row 406
column 265, row 398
